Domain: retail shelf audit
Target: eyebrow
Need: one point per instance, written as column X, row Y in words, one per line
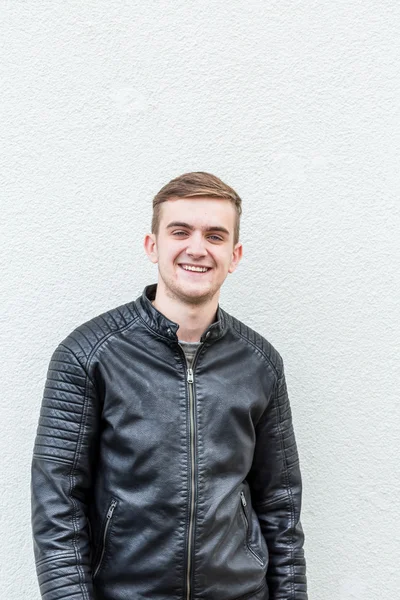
column 205, row 228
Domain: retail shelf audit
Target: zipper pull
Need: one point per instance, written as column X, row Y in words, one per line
column 111, row 509
column 243, row 499
column 190, row 375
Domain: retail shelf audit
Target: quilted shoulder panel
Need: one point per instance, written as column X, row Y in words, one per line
column 86, row 338
column 69, row 410
column 260, row 342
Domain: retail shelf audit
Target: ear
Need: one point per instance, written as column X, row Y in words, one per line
column 150, row 247
column 236, row 257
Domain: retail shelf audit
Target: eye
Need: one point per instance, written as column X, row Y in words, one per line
column 179, row 233
column 215, row 238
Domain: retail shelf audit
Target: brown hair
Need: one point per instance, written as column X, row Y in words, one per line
column 190, row 185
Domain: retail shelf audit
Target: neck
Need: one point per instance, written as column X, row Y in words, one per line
column 193, row 319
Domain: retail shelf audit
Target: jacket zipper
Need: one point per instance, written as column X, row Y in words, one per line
column 190, row 381
column 108, row 521
column 244, row 505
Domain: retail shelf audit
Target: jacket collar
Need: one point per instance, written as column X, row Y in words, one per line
column 167, row 328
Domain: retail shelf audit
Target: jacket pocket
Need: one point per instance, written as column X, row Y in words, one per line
column 247, row 521
column 106, row 528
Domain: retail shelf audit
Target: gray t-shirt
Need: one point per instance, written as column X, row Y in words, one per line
column 189, row 349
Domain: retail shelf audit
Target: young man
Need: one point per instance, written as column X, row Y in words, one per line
column 165, row 464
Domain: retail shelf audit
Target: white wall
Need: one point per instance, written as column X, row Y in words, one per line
column 294, row 104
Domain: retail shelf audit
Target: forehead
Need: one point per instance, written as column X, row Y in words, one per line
column 200, row 212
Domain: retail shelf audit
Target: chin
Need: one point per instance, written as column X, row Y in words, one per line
column 186, row 291
column 204, row 297
column 196, row 295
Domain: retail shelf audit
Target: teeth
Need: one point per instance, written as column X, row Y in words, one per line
column 199, row 269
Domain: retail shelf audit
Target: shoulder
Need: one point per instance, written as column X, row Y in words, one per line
column 85, row 339
column 256, row 341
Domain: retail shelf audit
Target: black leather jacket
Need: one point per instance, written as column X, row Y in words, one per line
column 151, row 480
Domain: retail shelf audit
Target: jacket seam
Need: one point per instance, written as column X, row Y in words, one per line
column 288, row 485
column 270, row 363
column 72, row 478
column 85, row 365
column 74, row 539
column 72, row 466
column 105, row 338
column 73, row 501
column 87, row 376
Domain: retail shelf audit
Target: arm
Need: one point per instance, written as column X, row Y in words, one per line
column 62, row 468
column 275, row 482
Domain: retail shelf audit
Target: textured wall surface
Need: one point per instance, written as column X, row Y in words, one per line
column 294, row 104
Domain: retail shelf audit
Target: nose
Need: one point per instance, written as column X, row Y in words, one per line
column 196, row 246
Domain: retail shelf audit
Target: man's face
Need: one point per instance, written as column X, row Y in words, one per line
column 194, row 247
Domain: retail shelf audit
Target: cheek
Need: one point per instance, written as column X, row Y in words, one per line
column 226, row 259
column 170, row 256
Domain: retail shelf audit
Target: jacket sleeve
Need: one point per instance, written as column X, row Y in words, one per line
column 275, row 482
column 62, row 468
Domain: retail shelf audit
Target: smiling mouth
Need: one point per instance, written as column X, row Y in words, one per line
column 195, row 269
